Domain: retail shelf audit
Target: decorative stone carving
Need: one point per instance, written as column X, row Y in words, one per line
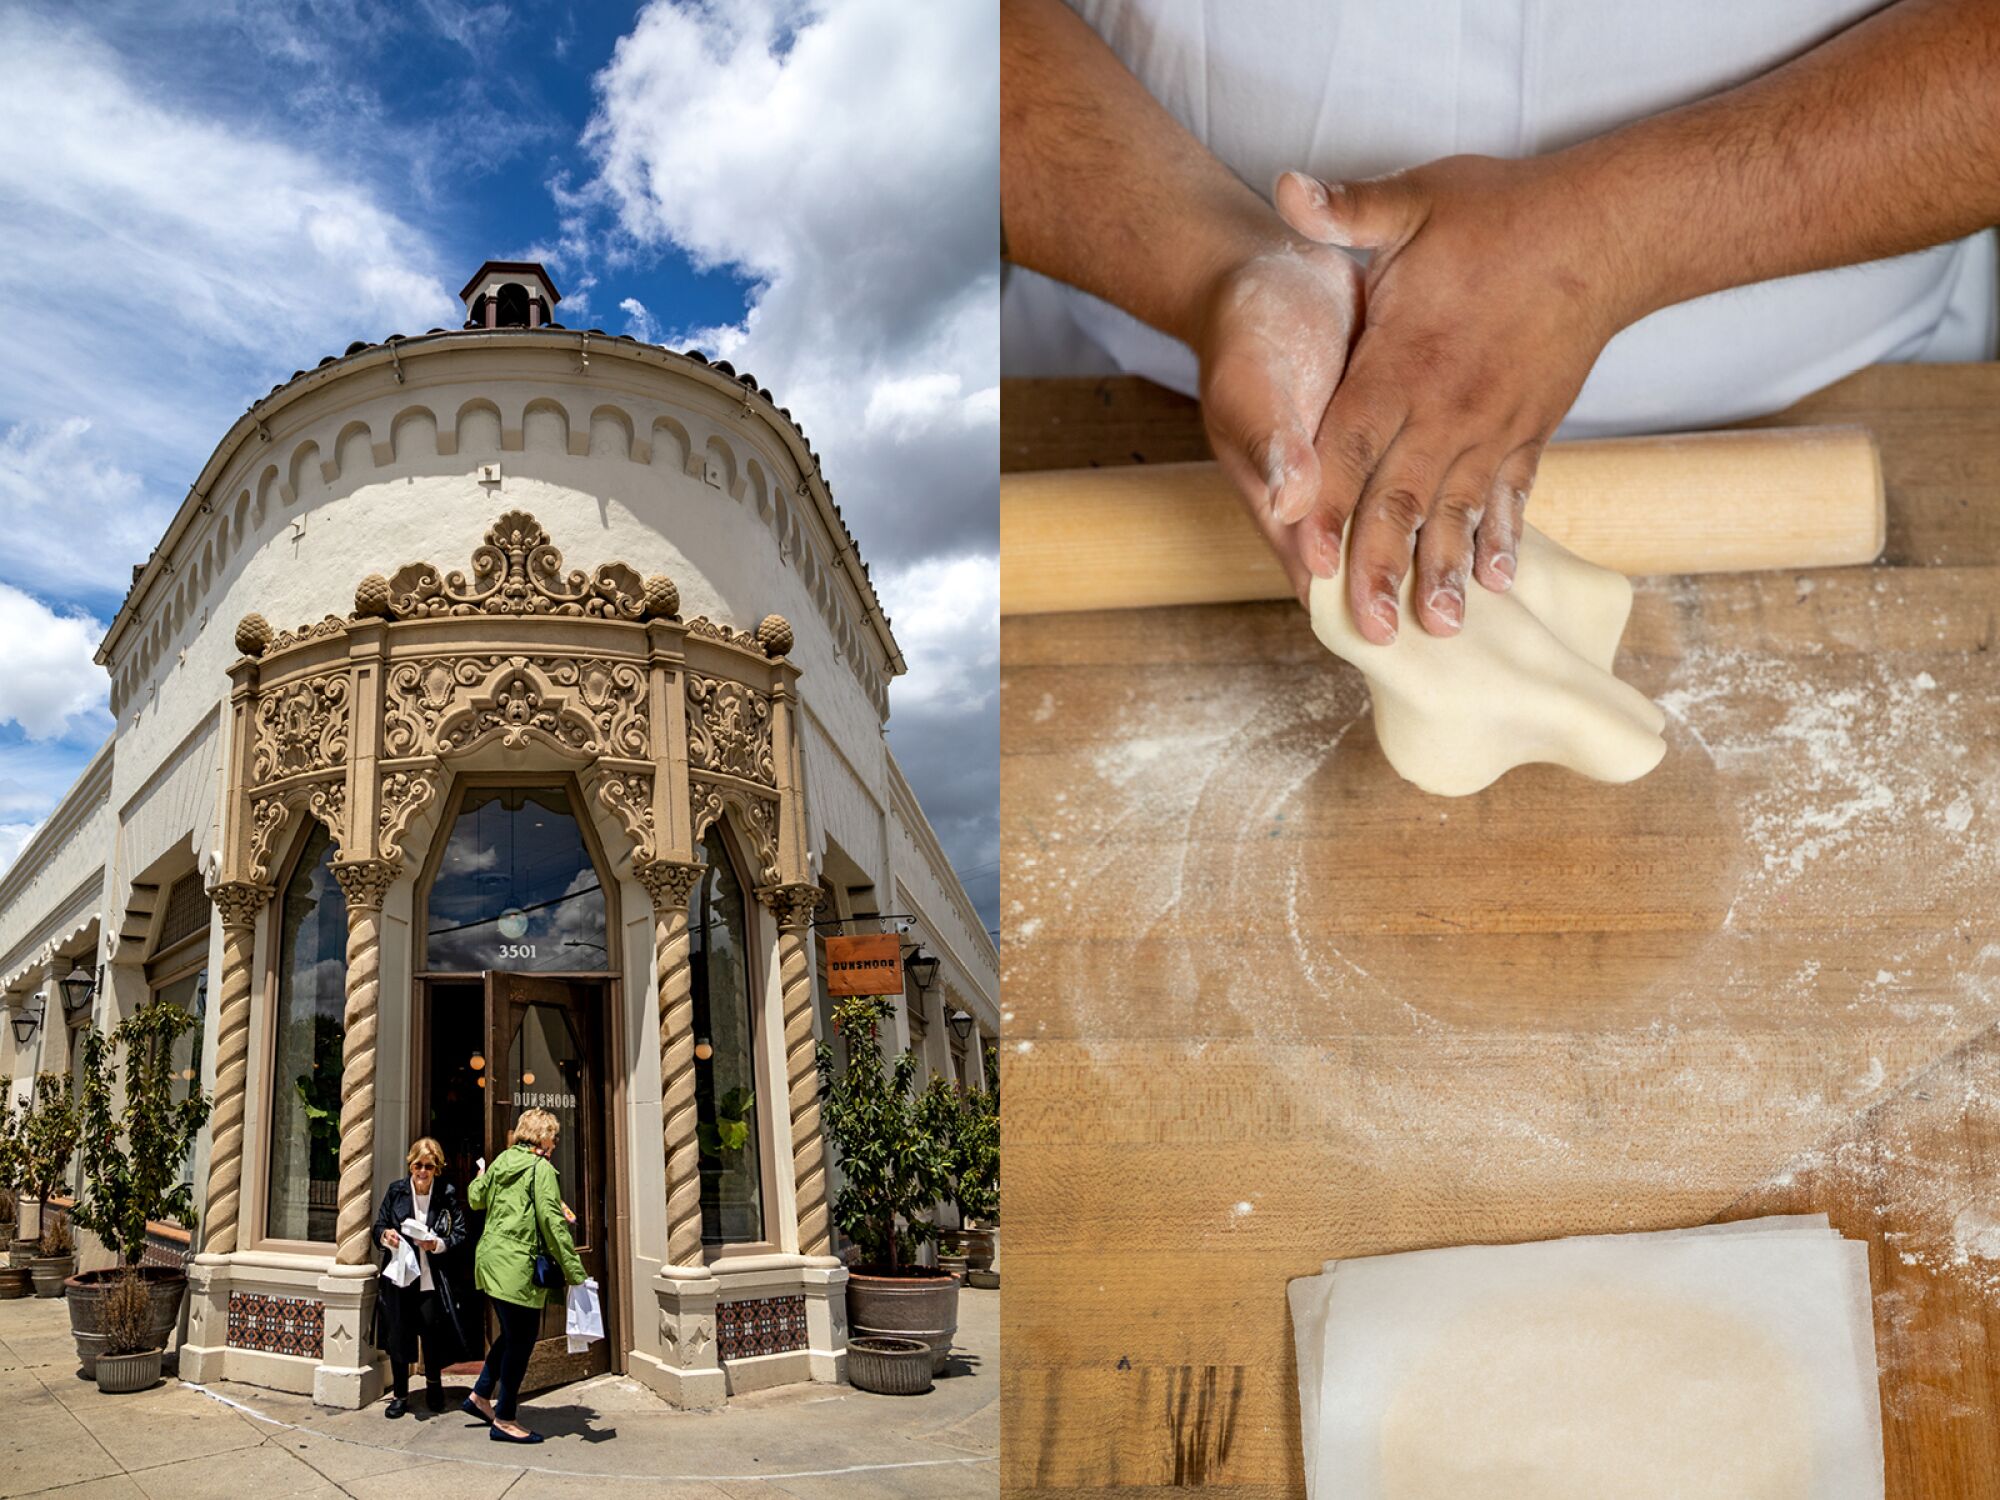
column 328, row 803
column 669, row 881
column 756, row 818
column 518, row 571
column 239, row 901
column 729, row 729
column 702, row 625
column 628, row 797
column 317, row 630
column 371, row 598
column 301, row 728
column 774, row 634
column 268, row 816
column 792, row 905
column 581, row 705
column 253, row 634
column 404, row 794
column 662, row 599
column 365, row 882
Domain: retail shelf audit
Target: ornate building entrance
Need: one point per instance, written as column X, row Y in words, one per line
column 517, row 779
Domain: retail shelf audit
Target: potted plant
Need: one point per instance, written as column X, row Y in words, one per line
column 48, row 1141
column 55, row 1258
column 973, row 1183
column 130, row 1360
column 133, row 1162
column 893, row 1162
column 14, row 1278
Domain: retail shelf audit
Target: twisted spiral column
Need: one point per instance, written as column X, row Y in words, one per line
column 364, row 882
column 238, row 901
column 669, row 882
column 793, row 906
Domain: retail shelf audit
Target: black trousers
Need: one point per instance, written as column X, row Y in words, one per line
column 428, row 1313
column 507, row 1360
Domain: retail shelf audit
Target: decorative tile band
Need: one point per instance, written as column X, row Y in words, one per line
column 760, row 1325
column 277, row 1325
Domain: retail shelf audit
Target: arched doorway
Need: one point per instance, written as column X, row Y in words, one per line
column 514, row 1011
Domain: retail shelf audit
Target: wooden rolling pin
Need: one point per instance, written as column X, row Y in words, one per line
column 1715, row 502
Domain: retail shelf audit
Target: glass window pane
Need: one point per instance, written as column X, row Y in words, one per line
column 305, row 1083
column 190, row 993
column 732, row 1209
column 546, row 1067
column 516, row 889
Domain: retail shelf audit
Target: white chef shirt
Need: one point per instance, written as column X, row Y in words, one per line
column 422, row 1214
column 1353, row 88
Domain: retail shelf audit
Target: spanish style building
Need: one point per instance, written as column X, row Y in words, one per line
column 500, row 724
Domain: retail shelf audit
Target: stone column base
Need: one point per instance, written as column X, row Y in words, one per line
column 686, row 1372
column 826, row 1321
column 206, row 1347
column 349, row 1374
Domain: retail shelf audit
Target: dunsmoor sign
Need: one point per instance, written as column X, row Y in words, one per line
column 870, row 964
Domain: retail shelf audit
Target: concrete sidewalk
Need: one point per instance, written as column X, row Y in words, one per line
column 608, row 1438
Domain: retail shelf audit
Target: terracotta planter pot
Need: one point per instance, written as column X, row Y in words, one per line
column 15, row 1281
column 50, row 1272
column 86, row 1293
column 952, row 1265
column 907, row 1307
column 119, row 1374
column 889, row 1367
column 978, row 1245
column 20, row 1252
column 986, row 1281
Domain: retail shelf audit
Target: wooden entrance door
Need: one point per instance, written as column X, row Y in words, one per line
column 513, row 1042
column 546, row 1045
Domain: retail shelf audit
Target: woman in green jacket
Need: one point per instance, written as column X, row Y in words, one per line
column 522, row 1200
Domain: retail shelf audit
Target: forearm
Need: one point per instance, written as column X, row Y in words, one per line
column 1100, row 187
column 1882, row 140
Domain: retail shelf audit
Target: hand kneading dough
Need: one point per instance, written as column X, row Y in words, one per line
column 1527, row 679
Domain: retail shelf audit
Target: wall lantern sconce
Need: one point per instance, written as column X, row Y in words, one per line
column 79, row 988
column 25, row 1023
column 922, row 969
column 961, row 1023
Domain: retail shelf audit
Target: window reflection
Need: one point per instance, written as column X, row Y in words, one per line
column 546, row 1067
column 516, row 889
column 305, row 1091
column 732, row 1209
column 190, row 993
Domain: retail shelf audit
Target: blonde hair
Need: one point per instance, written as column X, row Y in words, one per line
column 424, row 1148
column 536, row 1127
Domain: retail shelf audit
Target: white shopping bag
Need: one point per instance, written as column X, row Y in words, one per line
column 585, row 1324
column 402, row 1267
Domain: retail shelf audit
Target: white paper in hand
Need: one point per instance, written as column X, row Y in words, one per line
column 402, row 1267
column 585, row 1321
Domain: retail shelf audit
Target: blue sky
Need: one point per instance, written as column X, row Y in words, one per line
column 198, row 199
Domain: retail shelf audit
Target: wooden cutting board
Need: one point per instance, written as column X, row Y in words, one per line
column 1268, row 1004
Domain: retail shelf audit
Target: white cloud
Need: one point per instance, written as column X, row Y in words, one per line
column 50, row 686
column 13, row 838
column 51, row 473
column 843, row 157
column 639, row 322
column 162, row 269
column 947, row 620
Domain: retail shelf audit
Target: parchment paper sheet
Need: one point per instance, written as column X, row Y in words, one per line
column 1362, row 1326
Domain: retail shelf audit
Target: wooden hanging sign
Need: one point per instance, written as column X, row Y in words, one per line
column 869, row 963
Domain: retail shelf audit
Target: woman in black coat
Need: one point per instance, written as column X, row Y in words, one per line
column 429, row 1308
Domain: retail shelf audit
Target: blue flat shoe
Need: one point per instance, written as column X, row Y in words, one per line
column 507, row 1437
column 470, row 1410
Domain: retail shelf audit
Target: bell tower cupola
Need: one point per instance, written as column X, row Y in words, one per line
column 510, row 294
